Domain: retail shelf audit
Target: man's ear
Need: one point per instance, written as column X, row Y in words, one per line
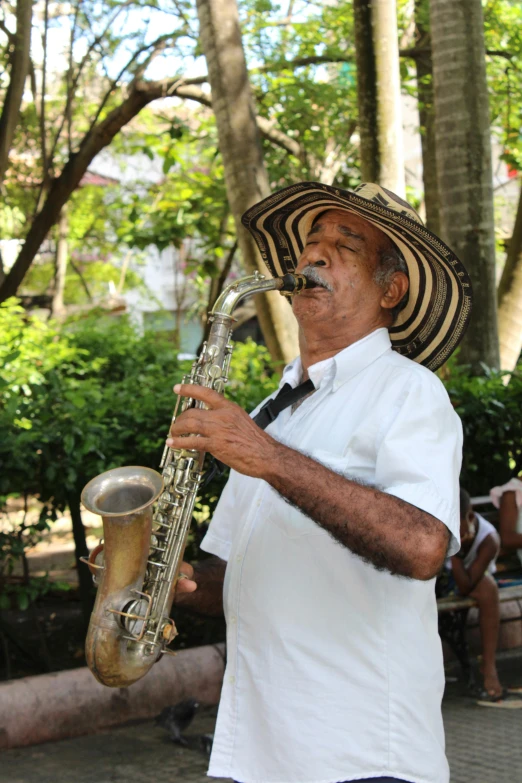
column 395, row 290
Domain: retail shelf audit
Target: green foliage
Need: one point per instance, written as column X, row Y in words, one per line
column 96, row 274
column 490, row 414
column 188, row 204
column 253, row 375
column 503, row 35
column 95, row 394
column 74, row 403
column 89, row 396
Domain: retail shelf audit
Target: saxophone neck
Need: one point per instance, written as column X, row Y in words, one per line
column 289, row 285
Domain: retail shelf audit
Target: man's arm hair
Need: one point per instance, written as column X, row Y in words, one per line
column 383, row 530
column 207, row 599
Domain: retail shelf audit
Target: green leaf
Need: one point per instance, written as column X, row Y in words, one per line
column 11, row 357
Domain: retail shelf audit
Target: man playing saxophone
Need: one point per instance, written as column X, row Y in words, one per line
column 338, row 516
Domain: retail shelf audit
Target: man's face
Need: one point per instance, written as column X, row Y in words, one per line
column 344, row 250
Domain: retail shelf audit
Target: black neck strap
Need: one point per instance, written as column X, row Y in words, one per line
column 285, row 397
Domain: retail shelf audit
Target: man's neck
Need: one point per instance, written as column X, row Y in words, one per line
column 315, row 348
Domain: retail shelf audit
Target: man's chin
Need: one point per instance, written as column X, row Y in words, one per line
column 306, row 306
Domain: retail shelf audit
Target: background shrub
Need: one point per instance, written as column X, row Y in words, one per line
column 95, row 393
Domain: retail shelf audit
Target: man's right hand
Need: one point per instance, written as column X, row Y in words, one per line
column 203, row 594
column 186, row 583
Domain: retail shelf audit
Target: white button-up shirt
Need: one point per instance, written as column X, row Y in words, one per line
column 334, row 669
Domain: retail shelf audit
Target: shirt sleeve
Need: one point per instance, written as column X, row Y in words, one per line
column 420, row 453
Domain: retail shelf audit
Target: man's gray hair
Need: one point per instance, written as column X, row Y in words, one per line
column 391, row 260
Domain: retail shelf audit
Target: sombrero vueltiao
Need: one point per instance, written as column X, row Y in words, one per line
column 439, row 305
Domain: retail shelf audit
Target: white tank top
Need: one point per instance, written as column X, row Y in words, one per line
column 484, row 529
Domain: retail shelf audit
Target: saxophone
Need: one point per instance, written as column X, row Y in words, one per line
column 137, row 566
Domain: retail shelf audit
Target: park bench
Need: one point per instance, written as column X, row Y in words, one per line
column 453, row 610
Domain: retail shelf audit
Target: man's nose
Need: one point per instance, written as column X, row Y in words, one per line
column 315, row 255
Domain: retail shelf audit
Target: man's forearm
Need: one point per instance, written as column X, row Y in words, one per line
column 461, row 576
column 209, row 576
column 382, row 529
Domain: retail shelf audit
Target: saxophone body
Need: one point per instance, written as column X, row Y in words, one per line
column 147, row 516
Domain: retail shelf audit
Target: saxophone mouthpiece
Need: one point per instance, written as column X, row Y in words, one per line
column 293, row 283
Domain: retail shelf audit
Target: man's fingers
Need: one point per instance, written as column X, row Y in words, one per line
column 185, row 582
column 186, row 569
column 208, row 396
column 191, row 422
column 191, row 442
column 185, row 585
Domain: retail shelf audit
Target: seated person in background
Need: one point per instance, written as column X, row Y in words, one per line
column 508, row 498
column 472, row 570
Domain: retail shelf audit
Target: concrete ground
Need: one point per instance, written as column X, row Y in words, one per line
column 484, row 746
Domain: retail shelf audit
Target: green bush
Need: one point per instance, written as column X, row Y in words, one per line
column 92, row 395
column 491, row 414
column 96, row 394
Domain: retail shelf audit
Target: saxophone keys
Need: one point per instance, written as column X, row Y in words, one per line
column 214, row 371
column 169, row 632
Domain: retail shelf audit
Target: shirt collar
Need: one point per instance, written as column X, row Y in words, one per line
column 344, row 365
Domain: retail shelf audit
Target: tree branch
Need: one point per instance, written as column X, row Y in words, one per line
column 69, row 78
column 82, row 279
column 499, row 53
column 21, row 42
column 74, row 83
column 99, row 137
column 44, row 87
column 10, row 36
column 157, row 46
column 266, row 127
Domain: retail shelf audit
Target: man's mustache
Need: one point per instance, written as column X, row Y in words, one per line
column 312, row 273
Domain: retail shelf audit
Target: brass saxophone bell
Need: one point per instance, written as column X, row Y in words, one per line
column 123, row 497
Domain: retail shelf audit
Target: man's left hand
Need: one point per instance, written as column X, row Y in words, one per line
column 224, row 430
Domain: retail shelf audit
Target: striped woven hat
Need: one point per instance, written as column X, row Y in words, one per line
column 435, row 318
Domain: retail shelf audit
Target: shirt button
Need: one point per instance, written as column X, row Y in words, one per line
column 233, row 619
column 238, row 559
column 231, row 679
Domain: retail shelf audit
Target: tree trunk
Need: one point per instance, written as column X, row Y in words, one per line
column 240, row 146
column 81, row 550
column 386, row 47
column 510, row 298
column 57, row 305
column 464, row 172
column 366, row 90
column 18, row 74
column 424, row 70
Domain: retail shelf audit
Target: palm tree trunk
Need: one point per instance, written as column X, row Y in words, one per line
column 240, row 146
column 510, row 298
column 464, row 171
column 366, row 90
column 424, row 70
column 386, row 47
